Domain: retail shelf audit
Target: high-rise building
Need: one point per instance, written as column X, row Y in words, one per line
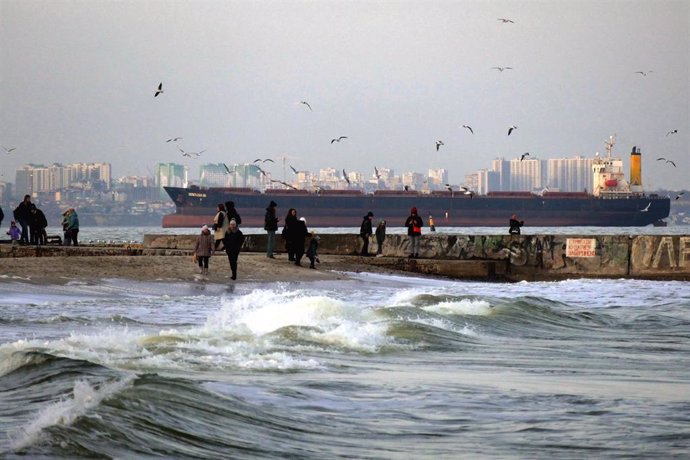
column 569, row 174
column 527, row 174
column 502, row 167
column 488, row 181
column 170, row 175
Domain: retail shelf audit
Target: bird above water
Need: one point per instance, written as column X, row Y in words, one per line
column 338, row 139
column 306, row 103
column 439, row 143
column 506, row 20
column 511, row 129
column 468, row 127
column 673, row 131
column 160, row 89
column 501, row 69
column 522, row 157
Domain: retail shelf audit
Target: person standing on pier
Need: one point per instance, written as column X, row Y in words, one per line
column 22, row 215
column 414, row 226
column 515, row 225
column 299, row 239
column 233, row 244
column 365, row 231
column 220, row 225
column 380, row 237
column 271, row 227
column 289, row 232
column 71, row 227
column 203, row 249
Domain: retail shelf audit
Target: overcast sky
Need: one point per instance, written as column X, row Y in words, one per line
column 77, row 81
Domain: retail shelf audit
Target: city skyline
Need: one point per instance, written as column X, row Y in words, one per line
column 243, row 80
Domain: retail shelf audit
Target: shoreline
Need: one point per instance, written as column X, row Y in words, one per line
column 252, row 267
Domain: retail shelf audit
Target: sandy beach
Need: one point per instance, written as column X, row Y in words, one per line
column 253, row 267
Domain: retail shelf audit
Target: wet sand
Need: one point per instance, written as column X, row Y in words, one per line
column 253, row 267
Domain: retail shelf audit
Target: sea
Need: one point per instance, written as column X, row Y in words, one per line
column 372, row 366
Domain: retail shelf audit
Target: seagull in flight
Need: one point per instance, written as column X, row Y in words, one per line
column 227, row 169
column 670, row 161
column 679, row 195
column 293, row 169
column 9, row 150
column 345, row 177
column 661, row 159
column 377, row 173
column 160, row 89
column 338, row 139
column 673, row 131
column 450, row 189
column 501, row 69
column 522, row 157
column 439, row 143
column 468, row 127
column 260, row 170
column 307, row 104
column 190, row 154
column 173, row 139
column 506, row 20
column 644, row 74
column 467, row 191
column 263, row 161
column 646, row 208
column 511, row 128
column 284, row 183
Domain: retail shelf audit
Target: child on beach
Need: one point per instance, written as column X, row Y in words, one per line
column 313, row 247
column 203, row 249
column 14, row 233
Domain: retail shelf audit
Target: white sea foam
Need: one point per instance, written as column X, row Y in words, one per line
column 65, row 411
column 461, row 307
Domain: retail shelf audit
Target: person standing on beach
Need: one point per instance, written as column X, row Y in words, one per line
column 288, row 232
column 271, row 227
column 365, row 231
column 380, row 237
column 22, row 215
column 14, row 233
column 299, row 237
column 203, row 249
column 72, row 228
column 233, row 244
column 37, row 224
column 231, row 212
column 515, row 225
column 414, row 225
column 220, row 225
column 312, row 254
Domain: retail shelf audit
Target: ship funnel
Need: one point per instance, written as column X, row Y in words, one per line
column 636, row 168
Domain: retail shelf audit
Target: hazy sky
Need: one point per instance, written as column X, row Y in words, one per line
column 77, row 81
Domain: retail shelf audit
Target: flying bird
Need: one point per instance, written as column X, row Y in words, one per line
column 660, row 159
column 644, row 74
column 227, row 169
column 505, row 20
column 511, row 128
column 679, row 195
column 174, row 139
column 377, row 173
column 260, row 170
column 501, row 69
column 160, row 89
column 522, row 157
column 673, row 131
column 467, row 191
column 9, row 150
column 646, row 208
column 264, row 160
column 293, row 169
column 345, row 177
column 338, row 139
column 468, row 127
column 670, row 161
column 439, row 143
column 450, row 189
column 307, row 104
column 283, row 183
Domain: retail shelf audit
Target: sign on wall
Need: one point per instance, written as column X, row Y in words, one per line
column 580, row 247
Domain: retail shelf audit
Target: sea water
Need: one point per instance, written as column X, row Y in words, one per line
column 374, row 366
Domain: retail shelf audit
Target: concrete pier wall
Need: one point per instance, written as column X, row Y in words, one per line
column 510, row 257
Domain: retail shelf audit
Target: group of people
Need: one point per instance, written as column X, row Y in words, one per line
column 294, row 233
column 33, row 223
column 226, row 231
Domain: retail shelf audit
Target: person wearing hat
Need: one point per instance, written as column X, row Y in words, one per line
column 380, row 237
column 233, row 244
column 365, row 231
column 203, row 249
column 414, row 225
column 312, row 250
column 271, row 227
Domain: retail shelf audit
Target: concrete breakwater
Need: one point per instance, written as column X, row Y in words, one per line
column 485, row 257
column 503, row 257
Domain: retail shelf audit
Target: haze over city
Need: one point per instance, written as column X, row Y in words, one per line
column 78, row 79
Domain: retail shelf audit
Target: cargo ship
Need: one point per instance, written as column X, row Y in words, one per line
column 615, row 202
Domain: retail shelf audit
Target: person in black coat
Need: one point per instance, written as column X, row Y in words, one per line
column 365, row 231
column 515, row 225
column 271, row 227
column 232, row 213
column 37, row 224
column 288, row 231
column 414, row 225
column 233, row 244
column 299, row 237
column 22, row 214
column 2, row 216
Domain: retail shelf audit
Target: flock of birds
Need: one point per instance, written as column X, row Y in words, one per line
column 439, row 143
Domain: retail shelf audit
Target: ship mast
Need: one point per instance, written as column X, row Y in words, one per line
column 609, row 144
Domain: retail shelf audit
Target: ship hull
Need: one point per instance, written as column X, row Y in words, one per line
column 195, row 207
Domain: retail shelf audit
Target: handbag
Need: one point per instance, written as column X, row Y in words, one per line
column 416, row 229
